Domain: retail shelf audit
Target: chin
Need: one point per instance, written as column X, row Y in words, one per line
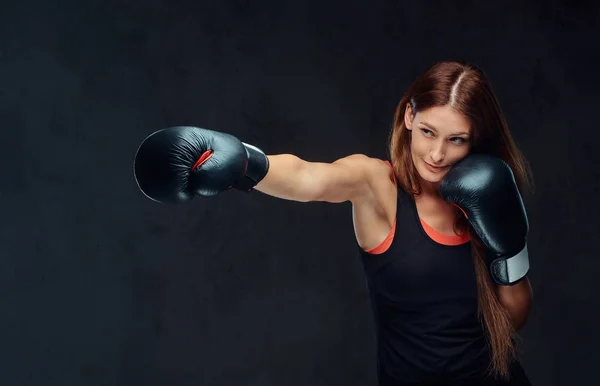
column 431, row 177
column 432, row 180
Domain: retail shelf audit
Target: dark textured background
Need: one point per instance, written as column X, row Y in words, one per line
column 100, row 286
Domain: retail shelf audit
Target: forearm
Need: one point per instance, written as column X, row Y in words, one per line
column 517, row 299
column 287, row 179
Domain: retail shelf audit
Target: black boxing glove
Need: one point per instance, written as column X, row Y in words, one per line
column 174, row 164
column 484, row 188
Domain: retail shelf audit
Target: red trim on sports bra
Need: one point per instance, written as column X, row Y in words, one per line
column 385, row 244
column 436, row 236
column 441, row 238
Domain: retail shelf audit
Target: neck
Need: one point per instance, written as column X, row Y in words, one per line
column 430, row 188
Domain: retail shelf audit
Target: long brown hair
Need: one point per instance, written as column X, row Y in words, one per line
column 465, row 88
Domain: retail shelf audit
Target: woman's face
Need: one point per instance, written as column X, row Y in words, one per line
column 440, row 138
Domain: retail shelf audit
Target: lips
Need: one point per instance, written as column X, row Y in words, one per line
column 435, row 169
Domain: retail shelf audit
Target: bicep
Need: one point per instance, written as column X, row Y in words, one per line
column 346, row 179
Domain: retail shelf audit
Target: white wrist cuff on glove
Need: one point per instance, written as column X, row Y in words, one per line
column 510, row 271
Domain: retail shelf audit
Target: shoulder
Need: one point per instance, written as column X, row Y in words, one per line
column 372, row 167
column 377, row 175
column 380, row 172
column 374, row 172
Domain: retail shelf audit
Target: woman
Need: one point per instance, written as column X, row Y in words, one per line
column 440, row 316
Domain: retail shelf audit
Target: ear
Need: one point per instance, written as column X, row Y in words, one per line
column 408, row 117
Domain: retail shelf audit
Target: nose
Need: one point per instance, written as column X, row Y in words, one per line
column 437, row 154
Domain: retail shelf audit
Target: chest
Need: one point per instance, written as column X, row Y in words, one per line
column 418, row 270
column 438, row 215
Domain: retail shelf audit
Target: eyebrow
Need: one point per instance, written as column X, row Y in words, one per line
column 433, row 127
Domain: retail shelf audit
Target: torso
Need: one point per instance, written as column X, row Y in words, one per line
column 374, row 216
column 423, row 290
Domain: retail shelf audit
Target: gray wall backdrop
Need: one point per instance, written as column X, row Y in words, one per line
column 100, row 286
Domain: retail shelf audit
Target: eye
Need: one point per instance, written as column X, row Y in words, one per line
column 427, row 132
column 458, row 140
